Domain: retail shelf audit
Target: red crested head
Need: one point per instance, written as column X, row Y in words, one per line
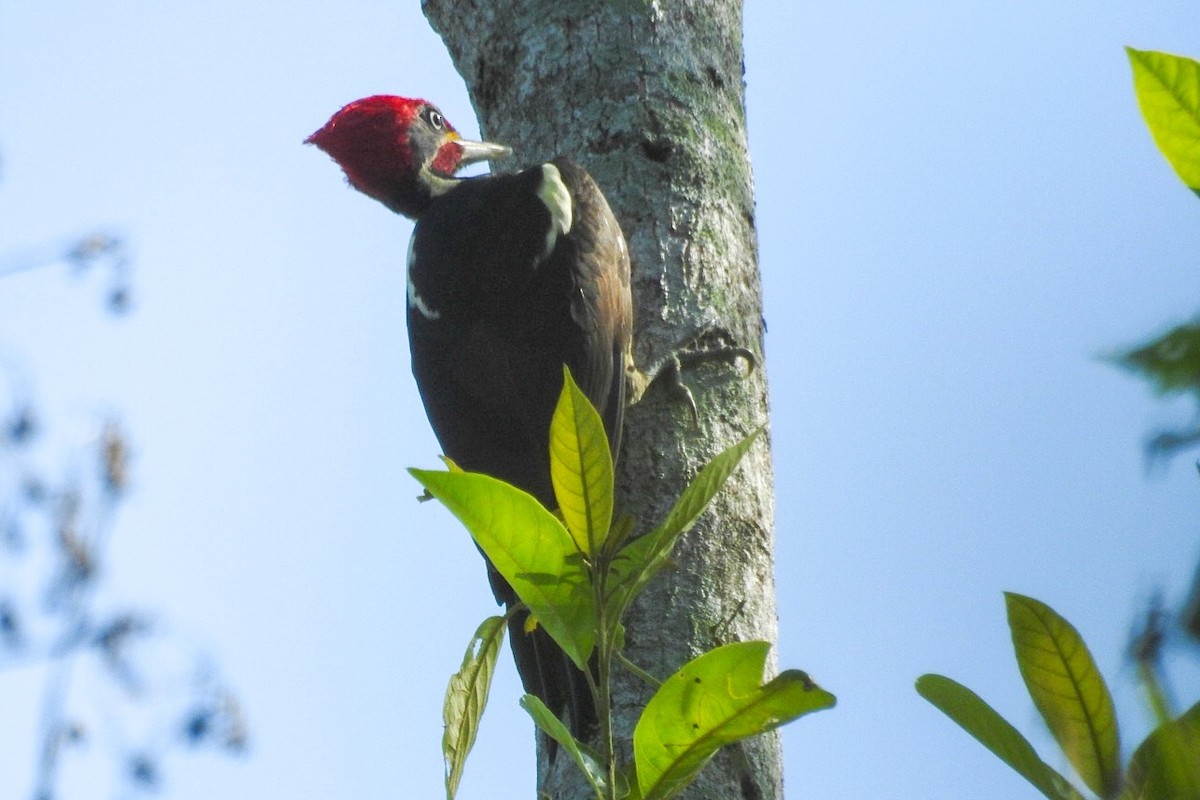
column 400, row 151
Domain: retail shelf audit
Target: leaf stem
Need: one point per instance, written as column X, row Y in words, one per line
column 638, row 671
column 604, row 653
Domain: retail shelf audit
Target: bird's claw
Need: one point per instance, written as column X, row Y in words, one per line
column 670, row 371
column 672, row 375
column 730, row 353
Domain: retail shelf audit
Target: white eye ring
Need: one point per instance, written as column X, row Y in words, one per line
column 436, row 119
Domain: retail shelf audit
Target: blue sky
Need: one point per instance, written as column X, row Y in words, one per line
column 959, row 209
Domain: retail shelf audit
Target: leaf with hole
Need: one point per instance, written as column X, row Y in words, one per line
column 466, row 697
column 715, row 699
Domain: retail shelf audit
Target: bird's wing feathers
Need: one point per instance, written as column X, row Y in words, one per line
column 507, row 294
column 515, row 314
column 602, row 304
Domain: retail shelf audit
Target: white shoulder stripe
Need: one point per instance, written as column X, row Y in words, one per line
column 554, row 193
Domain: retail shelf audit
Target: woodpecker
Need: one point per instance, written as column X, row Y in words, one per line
column 510, row 276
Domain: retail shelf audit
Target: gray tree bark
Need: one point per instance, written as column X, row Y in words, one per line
column 648, row 95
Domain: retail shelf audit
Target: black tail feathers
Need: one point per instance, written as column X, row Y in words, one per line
column 551, row 676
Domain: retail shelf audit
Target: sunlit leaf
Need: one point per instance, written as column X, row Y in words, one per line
column 529, row 547
column 1168, row 93
column 632, row 790
column 1166, row 766
column 587, row 760
column 994, row 732
column 714, row 700
column 1068, row 691
column 466, row 697
column 640, row 560
column 450, row 465
column 581, row 467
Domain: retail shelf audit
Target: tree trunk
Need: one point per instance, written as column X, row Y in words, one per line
column 648, row 96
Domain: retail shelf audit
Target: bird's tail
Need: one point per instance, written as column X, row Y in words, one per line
column 549, row 674
column 546, row 671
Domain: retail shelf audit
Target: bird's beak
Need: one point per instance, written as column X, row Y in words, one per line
column 481, row 151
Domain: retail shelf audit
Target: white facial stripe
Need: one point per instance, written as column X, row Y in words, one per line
column 438, row 185
column 414, row 299
column 554, row 193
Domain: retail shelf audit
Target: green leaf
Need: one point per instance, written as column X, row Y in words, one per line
column 466, row 697
column 620, row 532
column 640, row 560
column 1168, row 93
column 1166, row 766
column 587, row 759
column 700, row 492
column 994, row 732
column 1171, row 362
column 581, row 467
column 714, row 700
column 1068, row 691
column 634, row 792
column 529, row 547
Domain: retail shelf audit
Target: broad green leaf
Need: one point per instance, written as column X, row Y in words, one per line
column 714, row 700
column 633, row 791
column 1168, row 92
column 466, row 697
column 529, row 547
column 581, row 468
column 1166, row 766
column 640, row 560
column 587, row 759
column 1068, row 691
column 994, row 732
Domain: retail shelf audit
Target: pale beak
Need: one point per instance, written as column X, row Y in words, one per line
column 481, row 151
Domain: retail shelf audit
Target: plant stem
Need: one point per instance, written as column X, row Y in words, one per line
column 604, row 651
column 1160, row 706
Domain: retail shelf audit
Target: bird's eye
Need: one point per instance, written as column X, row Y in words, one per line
column 434, row 117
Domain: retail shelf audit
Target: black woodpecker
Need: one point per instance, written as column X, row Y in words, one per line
column 510, row 276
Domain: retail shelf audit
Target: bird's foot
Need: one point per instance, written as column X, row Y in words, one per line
column 669, row 371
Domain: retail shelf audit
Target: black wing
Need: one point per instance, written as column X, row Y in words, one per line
column 495, row 310
column 493, row 317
